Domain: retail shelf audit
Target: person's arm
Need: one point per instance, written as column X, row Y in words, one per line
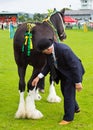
column 76, row 68
column 36, row 80
column 43, row 73
column 75, row 65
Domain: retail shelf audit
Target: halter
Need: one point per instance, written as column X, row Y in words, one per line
column 62, row 24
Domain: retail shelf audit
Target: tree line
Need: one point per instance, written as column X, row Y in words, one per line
column 37, row 17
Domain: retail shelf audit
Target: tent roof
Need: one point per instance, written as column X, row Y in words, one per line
column 69, row 19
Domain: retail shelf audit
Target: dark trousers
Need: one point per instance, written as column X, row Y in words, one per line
column 70, row 105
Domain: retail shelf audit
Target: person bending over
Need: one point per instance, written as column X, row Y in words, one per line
column 69, row 71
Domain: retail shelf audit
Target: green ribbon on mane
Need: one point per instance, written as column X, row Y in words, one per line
column 28, row 39
column 28, row 42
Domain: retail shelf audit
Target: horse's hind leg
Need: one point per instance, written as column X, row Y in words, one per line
column 21, row 108
column 53, row 97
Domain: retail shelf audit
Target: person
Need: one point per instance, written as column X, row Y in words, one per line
column 79, row 25
column 69, row 70
column 2, row 26
column 11, row 30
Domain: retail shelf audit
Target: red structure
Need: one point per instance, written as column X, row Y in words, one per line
column 7, row 17
column 69, row 19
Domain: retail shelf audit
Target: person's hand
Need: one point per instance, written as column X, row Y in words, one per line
column 78, row 87
column 35, row 81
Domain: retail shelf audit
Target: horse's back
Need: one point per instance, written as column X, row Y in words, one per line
column 19, row 40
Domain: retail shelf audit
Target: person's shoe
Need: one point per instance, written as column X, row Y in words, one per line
column 77, row 111
column 63, row 122
column 41, row 90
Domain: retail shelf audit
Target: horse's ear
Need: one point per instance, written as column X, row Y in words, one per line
column 62, row 11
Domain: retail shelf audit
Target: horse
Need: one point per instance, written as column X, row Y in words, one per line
column 26, row 36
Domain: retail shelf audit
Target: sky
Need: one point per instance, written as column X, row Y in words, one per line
column 37, row 6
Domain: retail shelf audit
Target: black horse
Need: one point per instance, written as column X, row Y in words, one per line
column 27, row 35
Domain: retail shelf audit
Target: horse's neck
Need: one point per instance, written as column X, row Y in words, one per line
column 47, row 24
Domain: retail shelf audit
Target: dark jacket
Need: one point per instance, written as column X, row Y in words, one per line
column 69, row 65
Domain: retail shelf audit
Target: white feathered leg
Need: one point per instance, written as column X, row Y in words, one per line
column 52, row 97
column 21, row 108
column 31, row 111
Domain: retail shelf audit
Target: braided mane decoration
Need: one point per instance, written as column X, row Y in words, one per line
column 28, row 39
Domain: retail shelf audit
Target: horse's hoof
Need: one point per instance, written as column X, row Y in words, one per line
column 54, row 99
column 36, row 114
column 19, row 115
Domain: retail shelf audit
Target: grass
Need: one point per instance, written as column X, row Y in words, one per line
column 82, row 44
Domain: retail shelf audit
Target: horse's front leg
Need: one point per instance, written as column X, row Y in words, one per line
column 53, row 97
column 21, row 108
column 31, row 111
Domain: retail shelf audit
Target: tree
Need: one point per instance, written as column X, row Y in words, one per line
column 21, row 18
column 37, row 17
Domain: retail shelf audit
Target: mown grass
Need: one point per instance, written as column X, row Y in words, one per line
column 82, row 45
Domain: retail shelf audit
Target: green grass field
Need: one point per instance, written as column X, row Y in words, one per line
column 82, row 45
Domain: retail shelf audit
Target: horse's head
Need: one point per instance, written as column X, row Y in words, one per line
column 57, row 20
